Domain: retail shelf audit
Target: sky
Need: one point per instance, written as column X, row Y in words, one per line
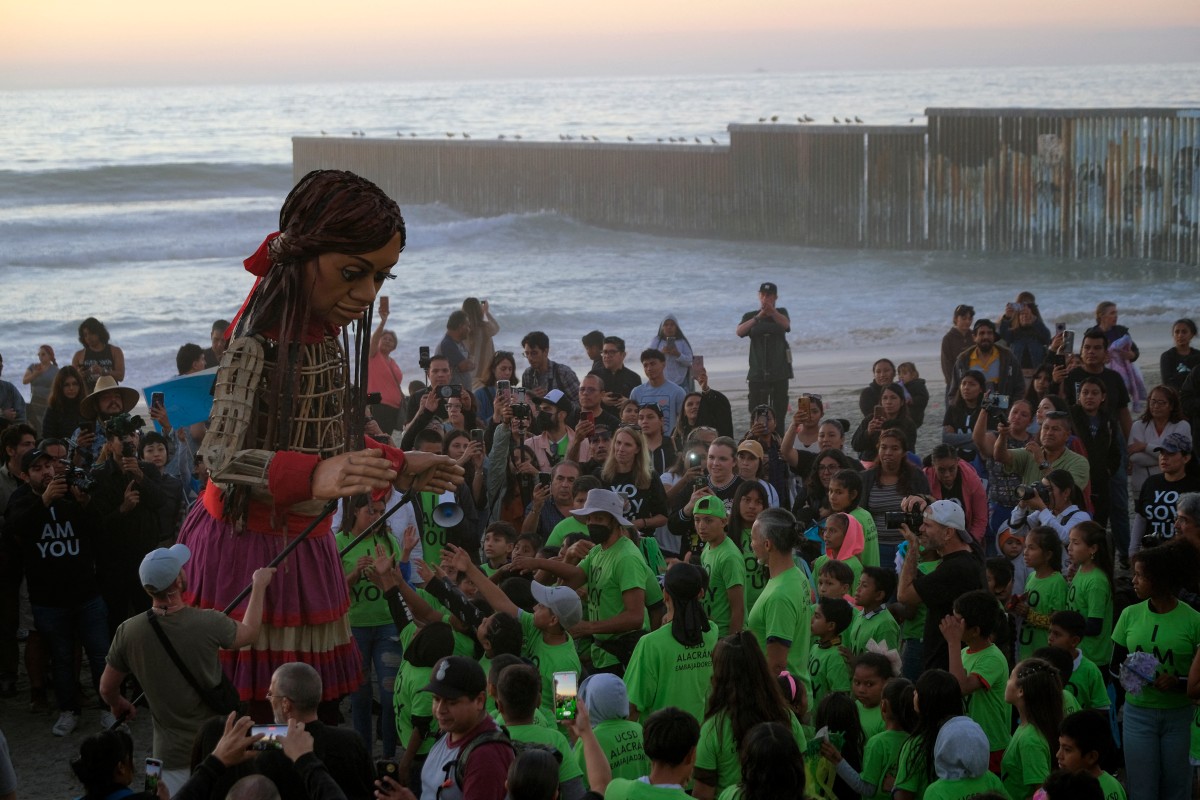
column 77, row 43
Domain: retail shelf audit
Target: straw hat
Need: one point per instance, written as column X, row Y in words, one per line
column 106, row 383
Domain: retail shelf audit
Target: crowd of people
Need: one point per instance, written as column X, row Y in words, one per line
column 549, row 584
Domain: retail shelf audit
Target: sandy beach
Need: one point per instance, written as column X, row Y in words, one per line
column 42, row 760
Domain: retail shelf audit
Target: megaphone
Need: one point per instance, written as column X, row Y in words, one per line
column 448, row 512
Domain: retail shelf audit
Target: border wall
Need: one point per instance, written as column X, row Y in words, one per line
column 1108, row 183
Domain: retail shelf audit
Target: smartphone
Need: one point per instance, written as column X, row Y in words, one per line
column 879, row 413
column 694, row 460
column 271, row 736
column 565, row 688
column 543, row 478
column 477, row 434
column 698, row 362
column 503, row 389
column 587, row 416
column 153, row 774
column 387, row 769
column 157, row 399
column 383, row 305
column 670, row 341
column 804, row 404
column 1068, row 347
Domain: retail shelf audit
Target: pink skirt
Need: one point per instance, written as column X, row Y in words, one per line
column 304, row 611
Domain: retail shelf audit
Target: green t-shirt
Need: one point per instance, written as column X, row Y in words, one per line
column 723, row 564
column 870, row 552
column 539, row 717
column 1070, row 704
column 915, row 628
column 1026, row 762
column 871, row 719
column 612, row 571
column 718, row 751
column 756, row 574
column 433, row 536
column 1171, row 637
column 911, row 774
column 784, row 611
column 1087, row 684
column 1111, row 787
column 626, row 789
column 567, row 768
column 964, row 788
column 880, row 759
column 411, row 703
column 986, row 705
column 368, row 608
column 880, row 626
column 827, row 671
column 621, row 740
column 662, row 673
column 548, row 658
column 852, row 562
column 1022, row 462
column 571, row 524
column 1045, row 596
column 652, row 553
column 731, row 793
column 1090, row 594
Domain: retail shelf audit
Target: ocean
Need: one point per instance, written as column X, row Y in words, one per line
column 136, row 206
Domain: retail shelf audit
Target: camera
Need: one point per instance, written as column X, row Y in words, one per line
column 520, row 411
column 893, row 520
column 448, row 391
column 1039, row 489
column 128, row 450
column 423, row 358
column 78, row 477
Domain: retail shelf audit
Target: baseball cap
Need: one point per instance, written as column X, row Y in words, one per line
column 31, row 457
column 454, row 677
column 606, row 501
column 1175, row 443
column 710, row 505
column 950, row 514
column 559, row 399
column 562, row 601
column 983, row 322
column 752, row 447
column 161, row 567
column 766, row 287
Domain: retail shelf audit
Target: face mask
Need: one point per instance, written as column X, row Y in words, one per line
column 598, row 533
column 545, row 420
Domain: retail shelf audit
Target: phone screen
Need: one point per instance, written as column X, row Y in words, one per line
column 698, row 361
column 271, row 735
column 879, row 413
column 565, row 688
column 153, row 774
column 157, row 399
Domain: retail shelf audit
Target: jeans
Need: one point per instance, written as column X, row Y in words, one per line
column 381, row 655
column 769, row 393
column 1156, row 752
column 60, row 625
column 887, row 556
column 912, row 659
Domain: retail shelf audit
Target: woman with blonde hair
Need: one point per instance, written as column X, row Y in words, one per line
column 627, row 471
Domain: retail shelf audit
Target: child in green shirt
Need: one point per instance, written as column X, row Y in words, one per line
column 1085, row 744
column 1091, row 590
column 1035, row 690
column 518, row 694
column 724, row 600
column 834, row 580
column 870, row 673
column 980, row 667
column 827, row 667
column 843, row 542
column 875, row 586
column 1086, row 683
column 670, row 737
column 1045, row 590
column 499, row 538
column 960, row 758
column 882, row 752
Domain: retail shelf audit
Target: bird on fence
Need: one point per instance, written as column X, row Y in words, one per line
column 595, row 138
column 398, row 133
column 836, row 121
column 807, row 118
column 413, row 134
column 698, row 140
column 762, row 119
column 670, row 139
column 501, row 136
column 516, row 136
column 362, row 133
column 449, row 135
column 466, row 135
column 629, row 138
column 774, row 118
column 323, row 133
column 910, row 119
column 858, row 120
column 711, row 139
column 660, row 140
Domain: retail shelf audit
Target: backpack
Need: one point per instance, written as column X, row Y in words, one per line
column 459, row 765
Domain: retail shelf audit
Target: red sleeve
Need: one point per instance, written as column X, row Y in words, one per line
column 488, row 772
column 393, row 454
column 289, row 477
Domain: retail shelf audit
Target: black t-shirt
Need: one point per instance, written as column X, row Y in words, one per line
column 57, row 547
column 1116, row 395
column 643, row 503
column 958, row 574
column 1157, row 501
column 622, row 382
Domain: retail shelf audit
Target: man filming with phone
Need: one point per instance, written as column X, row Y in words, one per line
column 770, row 356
